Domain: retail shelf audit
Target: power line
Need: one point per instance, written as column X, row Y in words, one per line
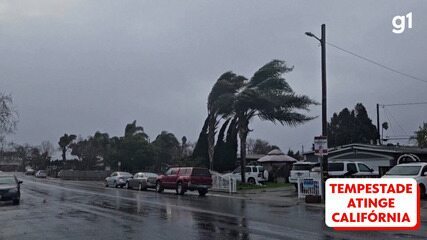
column 388, row 120
column 395, row 120
column 403, row 104
column 377, row 63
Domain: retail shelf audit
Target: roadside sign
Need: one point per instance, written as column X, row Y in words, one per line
column 308, row 183
column 372, row 204
column 320, row 146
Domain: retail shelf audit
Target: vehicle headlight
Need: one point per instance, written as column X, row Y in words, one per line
column 13, row 190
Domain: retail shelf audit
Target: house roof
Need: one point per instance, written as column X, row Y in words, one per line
column 376, row 148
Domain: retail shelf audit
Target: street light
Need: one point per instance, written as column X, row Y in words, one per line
column 322, row 40
column 312, row 35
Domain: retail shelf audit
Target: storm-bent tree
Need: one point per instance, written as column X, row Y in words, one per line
column 220, row 104
column 64, row 142
column 269, row 97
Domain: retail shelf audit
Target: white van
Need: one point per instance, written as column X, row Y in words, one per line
column 350, row 169
column 301, row 170
column 253, row 174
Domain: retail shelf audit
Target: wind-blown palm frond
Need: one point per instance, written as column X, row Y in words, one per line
column 223, row 92
column 271, row 70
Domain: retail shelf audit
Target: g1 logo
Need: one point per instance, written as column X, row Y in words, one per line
column 399, row 23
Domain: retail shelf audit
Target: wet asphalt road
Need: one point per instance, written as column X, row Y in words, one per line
column 52, row 209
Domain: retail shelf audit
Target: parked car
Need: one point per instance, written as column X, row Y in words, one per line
column 302, row 170
column 346, row 168
column 29, row 171
column 117, row 179
column 417, row 171
column 41, row 174
column 142, row 181
column 253, row 174
column 10, row 189
column 185, row 179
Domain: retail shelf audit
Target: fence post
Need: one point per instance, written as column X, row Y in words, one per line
column 299, row 188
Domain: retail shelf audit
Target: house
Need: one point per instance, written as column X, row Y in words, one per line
column 10, row 161
column 372, row 155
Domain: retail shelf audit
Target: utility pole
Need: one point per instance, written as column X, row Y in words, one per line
column 324, row 159
column 324, row 113
column 324, row 164
column 378, row 124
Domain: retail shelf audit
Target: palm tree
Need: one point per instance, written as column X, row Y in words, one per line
column 220, row 103
column 64, row 143
column 268, row 96
column 132, row 129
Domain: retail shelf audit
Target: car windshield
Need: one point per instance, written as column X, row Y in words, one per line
column 7, row 180
column 404, row 170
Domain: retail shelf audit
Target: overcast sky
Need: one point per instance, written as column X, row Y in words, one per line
column 85, row 66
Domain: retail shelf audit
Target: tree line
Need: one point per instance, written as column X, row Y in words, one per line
column 131, row 152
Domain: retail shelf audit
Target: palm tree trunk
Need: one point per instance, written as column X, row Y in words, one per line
column 243, row 134
column 211, row 138
column 64, row 152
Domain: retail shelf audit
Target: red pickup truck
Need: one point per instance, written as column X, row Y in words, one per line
column 185, row 178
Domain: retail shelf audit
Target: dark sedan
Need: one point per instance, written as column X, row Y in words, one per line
column 142, row 181
column 10, row 189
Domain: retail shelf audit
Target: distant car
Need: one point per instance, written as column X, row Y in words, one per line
column 185, row 179
column 10, row 189
column 41, row 174
column 417, row 171
column 142, row 181
column 301, row 170
column 118, row 179
column 347, row 168
column 253, row 174
column 30, row 171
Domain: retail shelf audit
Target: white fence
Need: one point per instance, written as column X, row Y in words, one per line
column 309, row 186
column 224, row 184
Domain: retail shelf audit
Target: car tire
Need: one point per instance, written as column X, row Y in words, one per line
column 127, row 185
column 106, row 184
column 159, row 187
column 422, row 191
column 115, row 184
column 251, row 180
column 180, row 189
column 202, row 192
column 16, row 201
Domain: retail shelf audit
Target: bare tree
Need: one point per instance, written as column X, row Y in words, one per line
column 47, row 147
column 8, row 117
